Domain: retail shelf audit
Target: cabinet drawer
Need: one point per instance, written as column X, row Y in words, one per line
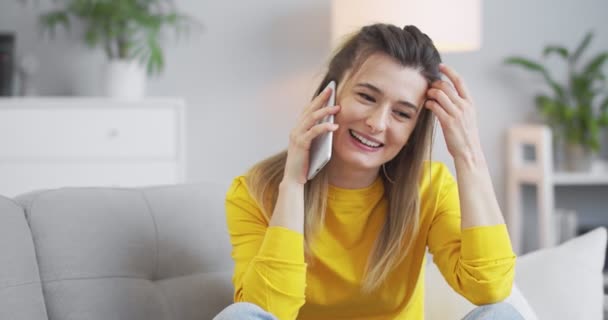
column 88, row 133
column 21, row 178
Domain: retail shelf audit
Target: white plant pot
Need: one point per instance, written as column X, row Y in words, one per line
column 125, row 80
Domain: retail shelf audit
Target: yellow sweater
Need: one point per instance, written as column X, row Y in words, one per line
column 270, row 270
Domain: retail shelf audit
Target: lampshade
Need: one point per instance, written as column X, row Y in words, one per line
column 453, row 25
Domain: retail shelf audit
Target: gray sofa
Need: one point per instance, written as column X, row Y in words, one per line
column 110, row 253
column 163, row 253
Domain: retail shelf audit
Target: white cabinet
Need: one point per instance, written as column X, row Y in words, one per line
column 57, row 142
column 530, row 162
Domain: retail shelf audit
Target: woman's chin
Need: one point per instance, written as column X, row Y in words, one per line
column 358, row 162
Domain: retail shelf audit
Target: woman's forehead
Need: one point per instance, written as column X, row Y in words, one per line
column 390, row 76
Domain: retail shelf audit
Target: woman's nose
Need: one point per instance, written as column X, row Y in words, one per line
column 378, row 119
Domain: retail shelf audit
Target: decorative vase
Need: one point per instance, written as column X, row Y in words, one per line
column 125, row 79
column 577, row 158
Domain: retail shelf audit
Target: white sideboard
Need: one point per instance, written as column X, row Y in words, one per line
column 68, row 142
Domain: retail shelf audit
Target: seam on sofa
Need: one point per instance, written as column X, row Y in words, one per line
column 150, row 212
column 96, row 278
column 22, row 284
column 168, row 305
column 27, row 210
column 157, row 267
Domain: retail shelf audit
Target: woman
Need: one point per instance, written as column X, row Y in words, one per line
column 351, row 243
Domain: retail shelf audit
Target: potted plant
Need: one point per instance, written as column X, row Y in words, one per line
column 576, row 110
column 130, row 33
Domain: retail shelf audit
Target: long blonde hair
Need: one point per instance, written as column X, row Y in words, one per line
column 411, row 48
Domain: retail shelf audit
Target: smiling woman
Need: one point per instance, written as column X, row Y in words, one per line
column 378, row 115
column 351, row 242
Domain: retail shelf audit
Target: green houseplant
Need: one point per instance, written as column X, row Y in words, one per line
column 129, row 31
column 576, row 110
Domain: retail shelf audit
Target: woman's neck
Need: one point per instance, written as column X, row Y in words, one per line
column 346, row 177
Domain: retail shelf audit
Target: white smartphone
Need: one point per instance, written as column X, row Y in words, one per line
column 320, row 149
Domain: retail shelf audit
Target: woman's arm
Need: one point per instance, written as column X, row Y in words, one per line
column 478, row 202
column 453, row 106
column 269, row 260
column 270, row 268
column 478, row 262
column 468, row 237
column 289, row 209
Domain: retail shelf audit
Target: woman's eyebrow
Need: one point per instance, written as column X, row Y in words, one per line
column 377, row 90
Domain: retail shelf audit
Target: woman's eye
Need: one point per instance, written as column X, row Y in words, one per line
column 367, row 97
column 402, row 114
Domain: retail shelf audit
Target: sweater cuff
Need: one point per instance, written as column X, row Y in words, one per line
column 282, row 244
column 486, row 243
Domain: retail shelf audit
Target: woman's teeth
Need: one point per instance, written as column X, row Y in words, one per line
column 365, row 141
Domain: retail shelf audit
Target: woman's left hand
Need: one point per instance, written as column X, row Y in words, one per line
column 453, row 107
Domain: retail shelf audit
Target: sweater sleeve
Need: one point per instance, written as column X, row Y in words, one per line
column 269, row 261
column 477, row 262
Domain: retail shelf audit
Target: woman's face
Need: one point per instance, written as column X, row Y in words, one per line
column 380, row 104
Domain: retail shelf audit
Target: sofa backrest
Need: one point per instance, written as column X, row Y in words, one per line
column 147, row 253
column 20, row 289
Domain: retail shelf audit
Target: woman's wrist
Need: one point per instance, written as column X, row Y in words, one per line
column 289, row 208
column 291, row 185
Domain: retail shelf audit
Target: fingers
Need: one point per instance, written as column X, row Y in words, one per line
column 436, row 108
column 319, row 101
column 451, row 99
column 309, row 126
column 317, row 115
column 445, row 103
column 316, row 131
column 448, row 90
column 459, row 84
column 304, row 139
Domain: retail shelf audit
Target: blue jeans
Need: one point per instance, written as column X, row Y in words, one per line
column 249, row 311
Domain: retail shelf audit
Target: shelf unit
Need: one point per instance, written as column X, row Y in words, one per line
column 536, row 140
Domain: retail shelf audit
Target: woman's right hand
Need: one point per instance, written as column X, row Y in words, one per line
column 301, row 136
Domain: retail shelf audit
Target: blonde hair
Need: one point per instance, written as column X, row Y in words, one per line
column 411, row 48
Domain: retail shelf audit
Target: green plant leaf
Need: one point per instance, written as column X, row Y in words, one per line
column 604, row 105
column 128, row 29
column 581, row 87
column 92, row 36
column 51, row 20
column 561, row 51
column 581, row 48
column 537, row 67
column 526, row 63
column 550, row 109
column 594, row 67
column 603, row 121
column 568, row 114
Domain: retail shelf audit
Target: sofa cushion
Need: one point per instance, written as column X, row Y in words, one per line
column 565, row 282
column 114, row 253
column 442, row 302
column 20, row 289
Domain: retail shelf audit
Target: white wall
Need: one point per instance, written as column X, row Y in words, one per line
column 256, row 64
